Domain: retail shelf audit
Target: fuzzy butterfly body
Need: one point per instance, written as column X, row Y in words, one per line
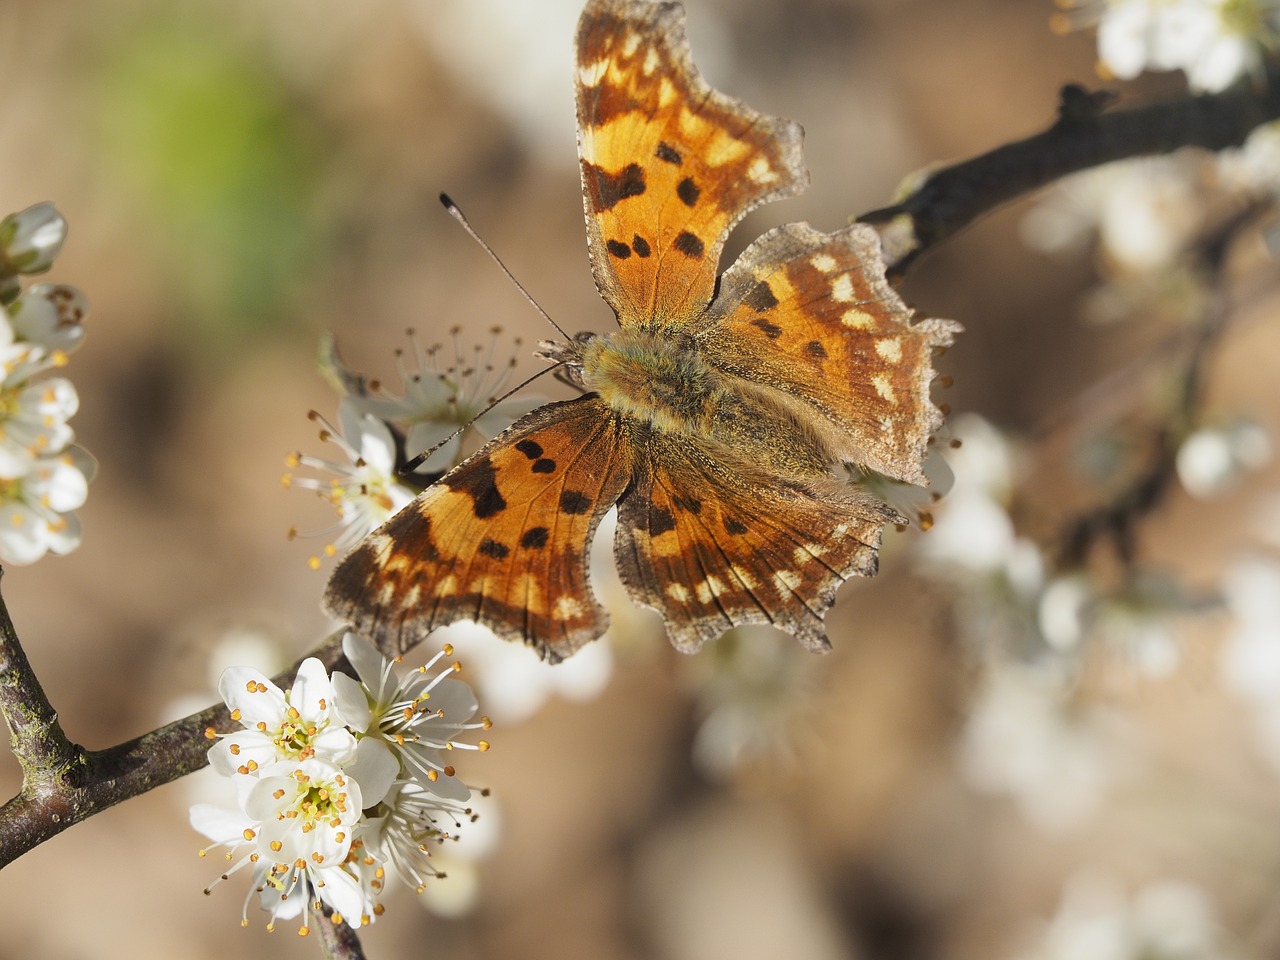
column 717, row 417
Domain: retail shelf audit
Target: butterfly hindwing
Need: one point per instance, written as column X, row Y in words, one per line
column 712, row 548
column 812, row 315
column 502, row 539
column 668, row 164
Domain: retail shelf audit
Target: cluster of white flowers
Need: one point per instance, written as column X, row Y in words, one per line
column 339, row 782
column 43, row 475
column 1214, row 42
column 443, row 396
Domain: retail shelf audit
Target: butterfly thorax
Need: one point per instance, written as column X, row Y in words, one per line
column 663, row 382
column 658, row 379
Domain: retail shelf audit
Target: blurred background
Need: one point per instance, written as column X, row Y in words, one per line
column 1004, row 756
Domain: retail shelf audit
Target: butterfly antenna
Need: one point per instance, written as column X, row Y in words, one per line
column 458, row 215
column 422, row 458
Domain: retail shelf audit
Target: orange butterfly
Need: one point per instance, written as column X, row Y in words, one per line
column 716, row 417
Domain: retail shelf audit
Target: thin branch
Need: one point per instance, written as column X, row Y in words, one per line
column 339, row 941
column 45, row 754
column 1084, row 135
column 103, row 778
column 1118, row 518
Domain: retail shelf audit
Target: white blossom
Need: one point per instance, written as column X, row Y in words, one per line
column 405, row 726
column 35, row 508
column 364, row 490
column 299, row 723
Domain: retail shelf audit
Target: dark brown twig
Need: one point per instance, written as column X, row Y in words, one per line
column 1084, row 135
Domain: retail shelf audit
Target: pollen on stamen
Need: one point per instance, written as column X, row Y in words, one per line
column 210, row 733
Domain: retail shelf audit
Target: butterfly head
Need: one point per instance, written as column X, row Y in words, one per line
column 568, row 354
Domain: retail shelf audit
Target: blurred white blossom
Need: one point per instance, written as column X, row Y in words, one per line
column 1214, row 42
column 1251, row 656
column 1163, row 920
column 749, row 687
column 446, row 392
column 1143, row 212
column 1213, row 458
column 1026, row 739
column 515, row 682
column 973, row 534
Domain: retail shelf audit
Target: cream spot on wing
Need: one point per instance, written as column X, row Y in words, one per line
column 651, row 61
column 786, row 580
column 480, row 585
column 666, row 92
column 890, row 350
column 823, row 261
column 527, row 588
column 566, row 608
column 678, row 592
column 386, row 593
column 886, row 426
column 630, row 44
column 708, row 588
column 842, row 288
column 883, row 387
column 590, row 74
column 692, row 125
column 412, row 597
column 760, row 171
column 840, row 530
column 725, row 149
column 745, row 577
column 807, row 553
column 446, row 586
column 857, row 319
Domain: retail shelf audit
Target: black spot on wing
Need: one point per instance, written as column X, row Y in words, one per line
column 668, row 153
column 688, row 191
column 771, row 330
column 544, row 466
column 535, row 538
column 689, row 245
column 618, row 249
column 734, row 527
column 641, row 246
column 479, row 483
column 816, row 350
column 609, row 189
column 575, row 502
column 530, row 448
column 661, row 520
column 761, row 298
column 494, row 549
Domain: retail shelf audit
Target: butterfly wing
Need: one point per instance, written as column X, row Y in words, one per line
column 812, row 315
column 711, row 545
column 668, row 164
column 502, row 539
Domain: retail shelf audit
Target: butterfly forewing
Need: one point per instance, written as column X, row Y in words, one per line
column 811, row 314
column 668, row 164
column 502, row 540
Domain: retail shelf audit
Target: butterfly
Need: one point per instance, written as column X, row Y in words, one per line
column 718, row 417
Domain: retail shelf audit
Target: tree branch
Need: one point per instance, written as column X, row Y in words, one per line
column 1083, row 136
